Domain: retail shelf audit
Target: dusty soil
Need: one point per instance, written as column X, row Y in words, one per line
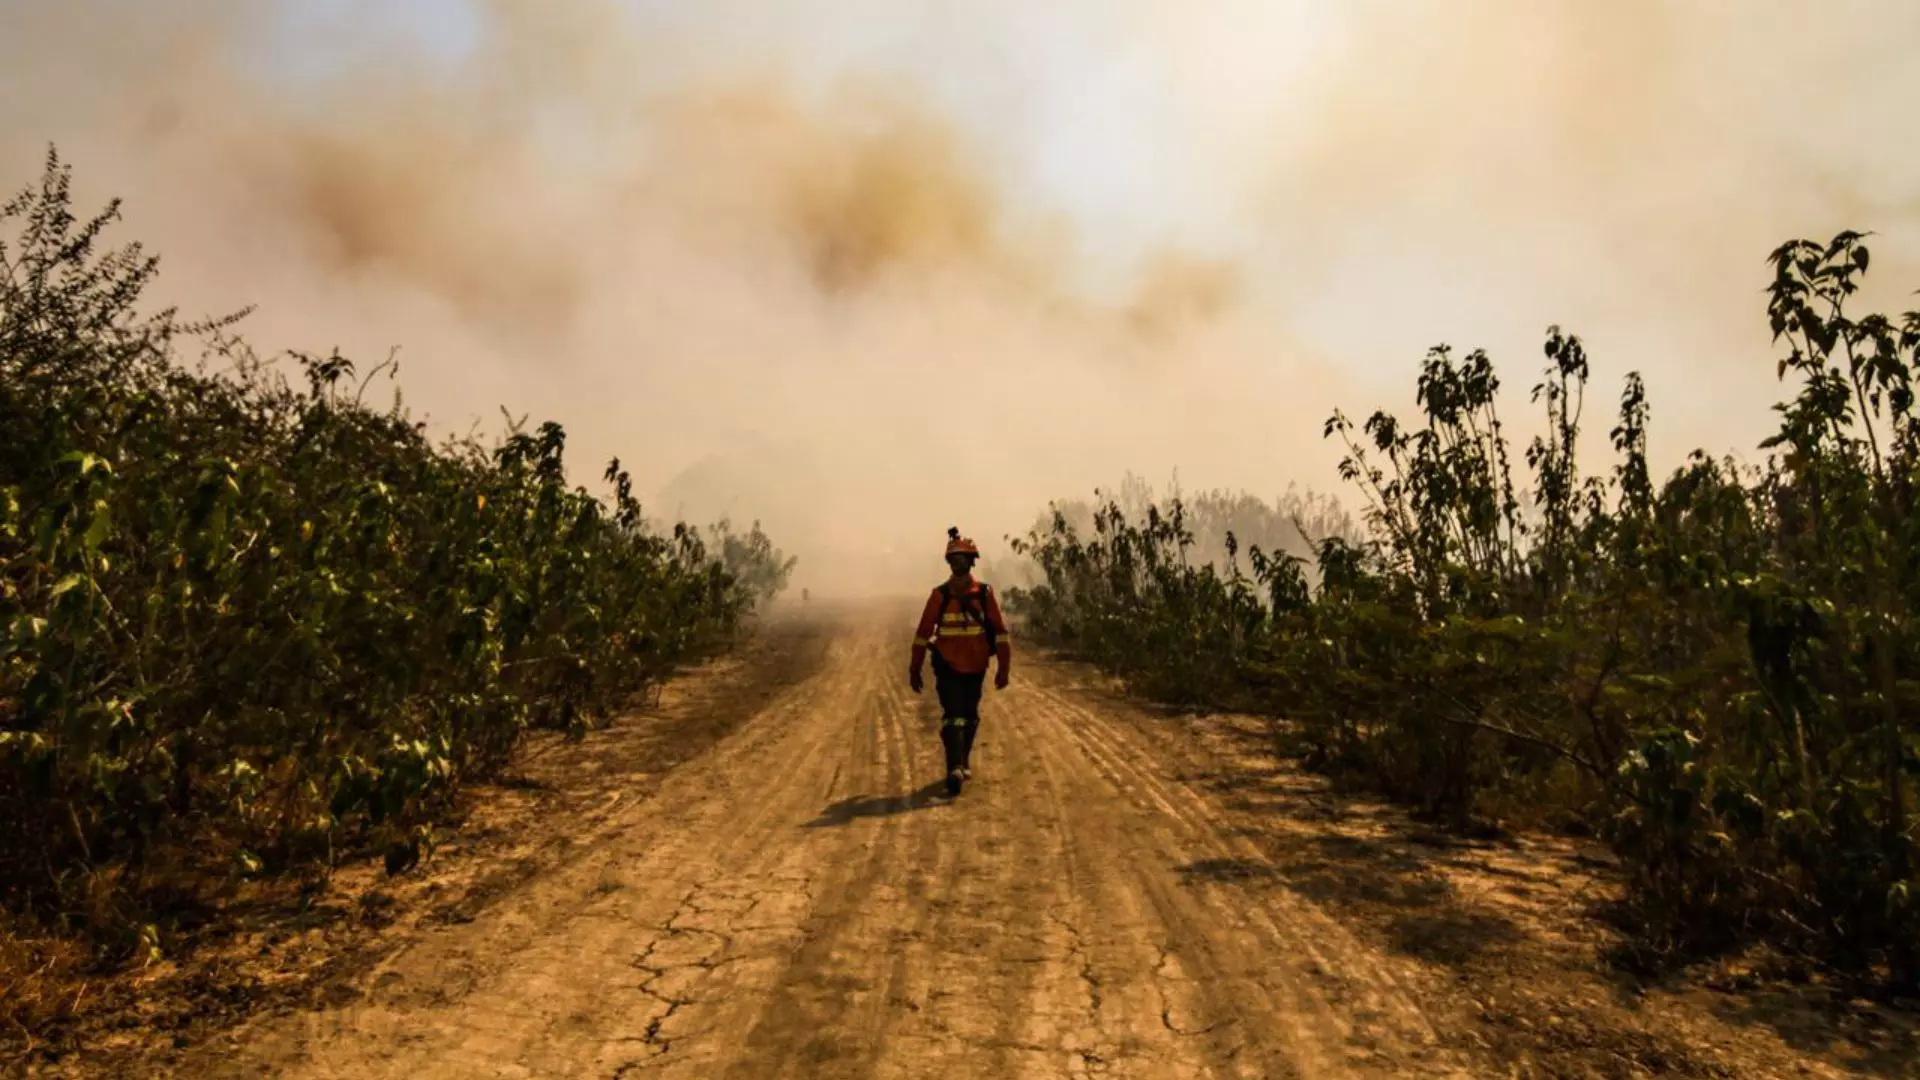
column 285, row 947
column 1119, row 893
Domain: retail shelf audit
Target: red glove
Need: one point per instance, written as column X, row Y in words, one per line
column 1000, row 679
column 914, row 680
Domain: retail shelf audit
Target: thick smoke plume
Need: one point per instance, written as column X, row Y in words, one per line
column 859, row 271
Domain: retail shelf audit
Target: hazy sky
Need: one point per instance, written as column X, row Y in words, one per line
column 866, row 268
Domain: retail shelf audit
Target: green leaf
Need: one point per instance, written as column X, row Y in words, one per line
column 99, row 528
column 86, row 464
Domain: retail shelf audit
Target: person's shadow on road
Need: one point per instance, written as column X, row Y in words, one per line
column 863, row 806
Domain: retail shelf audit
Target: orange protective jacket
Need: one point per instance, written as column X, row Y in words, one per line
column 958, row 635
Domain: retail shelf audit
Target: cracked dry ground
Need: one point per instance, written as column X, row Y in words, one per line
column 802, row 900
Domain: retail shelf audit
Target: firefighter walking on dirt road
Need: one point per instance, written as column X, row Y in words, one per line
column 963, row 627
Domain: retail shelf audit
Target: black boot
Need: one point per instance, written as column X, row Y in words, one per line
column 966, row 747
column 953, row 738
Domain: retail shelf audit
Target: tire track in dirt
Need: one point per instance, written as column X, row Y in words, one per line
column 802, row 900
column 604, row 953
column 1103, row 932
column 705, row 990
column 825, row 1006
column 1212, row 1019
column 1321, row 1000
column 964, row 982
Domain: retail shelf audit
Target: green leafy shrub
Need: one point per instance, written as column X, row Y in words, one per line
column 1720, row 673
column 246, row 619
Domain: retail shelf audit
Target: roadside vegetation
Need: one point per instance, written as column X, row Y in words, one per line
column 1716, row 672
column 1280, row 525
column 251, row 624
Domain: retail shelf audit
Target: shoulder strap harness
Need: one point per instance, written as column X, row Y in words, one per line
column 979, row 612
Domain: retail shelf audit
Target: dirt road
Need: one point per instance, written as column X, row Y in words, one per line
column 802, row 900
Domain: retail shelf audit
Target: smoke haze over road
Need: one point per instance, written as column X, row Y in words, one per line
column 862, row 270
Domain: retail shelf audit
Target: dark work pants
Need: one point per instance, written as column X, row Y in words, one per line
column 959, row 711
